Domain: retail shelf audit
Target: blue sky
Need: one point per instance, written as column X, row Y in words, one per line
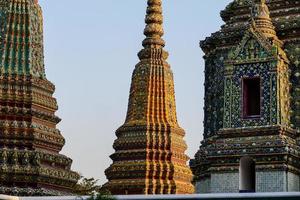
column 90, row 53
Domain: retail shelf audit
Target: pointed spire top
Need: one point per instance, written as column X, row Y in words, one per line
column 261, row 20
column 260, row 9
column 154, row 29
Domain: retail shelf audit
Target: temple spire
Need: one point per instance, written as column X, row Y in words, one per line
column 261, row 20
column 154, row 25
column 29, row 141
column 150, row 150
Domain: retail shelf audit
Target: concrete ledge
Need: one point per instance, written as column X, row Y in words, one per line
column 227, row 196
column 243, row 196
column 55, row 198
column 5, row 197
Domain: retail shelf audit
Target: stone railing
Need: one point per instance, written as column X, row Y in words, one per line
column 242, row 196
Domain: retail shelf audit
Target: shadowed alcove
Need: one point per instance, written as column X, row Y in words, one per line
column 247, row 174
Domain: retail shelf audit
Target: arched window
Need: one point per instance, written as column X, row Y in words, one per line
column 247, row 174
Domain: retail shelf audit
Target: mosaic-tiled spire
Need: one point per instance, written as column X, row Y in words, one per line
column 260, row 16
column 21, row 51
column 154, row 56
column 30, row 163
column 247, row 67
column 150, row 150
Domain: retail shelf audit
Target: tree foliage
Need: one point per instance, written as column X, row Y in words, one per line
column 86, row 186
column 89, row 187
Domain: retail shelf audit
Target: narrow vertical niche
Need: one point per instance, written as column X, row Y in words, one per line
column 251, row 97
column 247, row 175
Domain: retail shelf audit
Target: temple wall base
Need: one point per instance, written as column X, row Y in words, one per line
column 219, row 183
column 293, row 182
column 225, row 182
column 266, row 181
column 203, row 186
column 277, row 181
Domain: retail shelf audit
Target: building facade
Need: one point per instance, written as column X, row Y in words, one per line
column 30, row 163
column 252, row 113
column 149, row 153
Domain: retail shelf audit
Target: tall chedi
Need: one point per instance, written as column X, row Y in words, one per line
column 251, row 140
column 150, row 150
column 30, row 163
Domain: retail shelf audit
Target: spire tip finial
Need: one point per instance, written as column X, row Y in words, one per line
column 260, row 18
column 154, row 20
column 260, row 9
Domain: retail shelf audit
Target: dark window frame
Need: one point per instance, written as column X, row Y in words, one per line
column 245, row 99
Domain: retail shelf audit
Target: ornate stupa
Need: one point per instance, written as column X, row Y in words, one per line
column 252, row 109
column 30, row 163
column 149, row 153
